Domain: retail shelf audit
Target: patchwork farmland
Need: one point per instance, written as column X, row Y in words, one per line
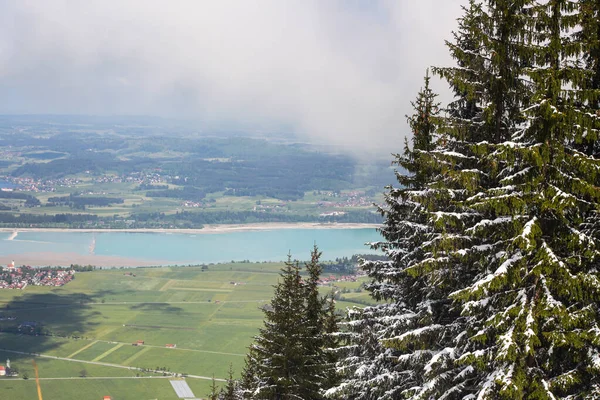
column 106, row 332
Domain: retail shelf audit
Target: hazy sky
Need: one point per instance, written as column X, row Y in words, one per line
column 341, row 72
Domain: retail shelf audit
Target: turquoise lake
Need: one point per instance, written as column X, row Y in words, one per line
column 184, row 248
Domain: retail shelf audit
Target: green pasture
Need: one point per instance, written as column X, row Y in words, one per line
column 83, row 388
column 211, row 314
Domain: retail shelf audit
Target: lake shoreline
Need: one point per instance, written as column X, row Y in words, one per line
column 169, row 247
column 210, row 229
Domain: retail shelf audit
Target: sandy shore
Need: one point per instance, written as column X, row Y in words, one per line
column 221, row 228
column 47, row 259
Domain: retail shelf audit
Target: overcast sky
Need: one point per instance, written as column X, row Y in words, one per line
column 340, row 72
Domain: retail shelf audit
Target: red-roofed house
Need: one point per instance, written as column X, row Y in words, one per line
column 2, row 370
column 107, row 398
column 170, row 346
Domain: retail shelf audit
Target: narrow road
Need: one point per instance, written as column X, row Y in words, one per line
column 106, row 364
column 175, row 348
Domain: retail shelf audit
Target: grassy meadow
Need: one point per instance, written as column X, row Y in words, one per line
column 210, row 315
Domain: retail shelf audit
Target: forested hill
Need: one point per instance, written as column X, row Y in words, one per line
column 118, row 173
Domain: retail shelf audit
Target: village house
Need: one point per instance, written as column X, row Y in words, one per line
column 170, row 346
column 2, row 370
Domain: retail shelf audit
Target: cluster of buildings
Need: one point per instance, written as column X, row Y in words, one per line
column 148, row 178
column 194, row 204
column 326, row 281
column 40, row 186
column 50, row 185
column 347, row 199
column 275, row 207
column 12, row 277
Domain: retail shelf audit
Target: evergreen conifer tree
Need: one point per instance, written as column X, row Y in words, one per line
column 276, row 358
column 427, row 223
column 231, row 391
column 331, row 343
column 588, row 35
column 289, row 358
column 370, row 369
column 213, row 395
column 532, row 307
column 492, row 286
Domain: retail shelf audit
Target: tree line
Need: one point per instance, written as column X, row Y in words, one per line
column 76, row 201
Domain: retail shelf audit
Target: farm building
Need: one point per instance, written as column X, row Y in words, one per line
column 138, row 343
column 107, row 398
column 170, row 346
column 2, row 370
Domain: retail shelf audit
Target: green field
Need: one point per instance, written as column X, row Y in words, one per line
column 211, row 316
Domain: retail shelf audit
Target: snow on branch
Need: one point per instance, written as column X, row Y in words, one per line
column 486, row 223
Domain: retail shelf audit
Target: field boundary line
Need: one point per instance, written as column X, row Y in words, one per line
column 136, row 355
column 107, row 352
column 87, row 346
column 167, row 285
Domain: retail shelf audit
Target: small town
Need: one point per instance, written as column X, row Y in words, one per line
column 12, row 277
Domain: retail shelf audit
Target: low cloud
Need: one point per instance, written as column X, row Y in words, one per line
column 335, row 72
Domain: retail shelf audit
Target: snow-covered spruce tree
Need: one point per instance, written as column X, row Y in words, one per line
column 369, row 369
column 490, row 51
column 289, row 358
column 588, row 35
column 413, row 342
column 331, row 343
column 533, row 311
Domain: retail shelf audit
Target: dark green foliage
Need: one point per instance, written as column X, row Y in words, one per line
column 214, row 394
column 533, row 307
column 289, row 358
column 30, row 201
column 231, row 391
column 25, row 220
column 79, row 202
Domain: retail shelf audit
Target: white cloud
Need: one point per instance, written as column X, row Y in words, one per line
column 341, row 72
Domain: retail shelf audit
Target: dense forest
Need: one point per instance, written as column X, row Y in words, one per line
column 491, row 289
column 240, row 166
column 79, row 202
